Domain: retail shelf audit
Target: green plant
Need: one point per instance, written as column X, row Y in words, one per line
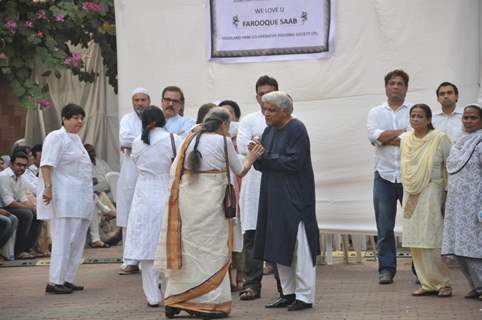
column 44, row 31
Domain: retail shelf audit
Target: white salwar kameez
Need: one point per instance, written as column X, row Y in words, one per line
column 153, row 163
column 130, row 128
column 179, row 125
column 251, row 126
column 70, row 210
column 300, row 277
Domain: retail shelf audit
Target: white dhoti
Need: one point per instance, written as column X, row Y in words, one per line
column 151, row 278
column 68, row 241
column 300, row 277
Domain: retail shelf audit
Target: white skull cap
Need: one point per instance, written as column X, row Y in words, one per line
column 140, row 90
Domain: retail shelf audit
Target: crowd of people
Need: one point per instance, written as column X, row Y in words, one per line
column 194, row 243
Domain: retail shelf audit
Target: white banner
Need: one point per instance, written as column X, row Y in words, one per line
column 270, row 30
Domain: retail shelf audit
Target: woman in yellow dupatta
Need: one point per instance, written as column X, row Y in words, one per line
column 424, row 178
column 196, row 239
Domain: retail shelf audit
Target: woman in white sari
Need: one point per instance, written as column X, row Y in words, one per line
column 152, row 154
column 424, row 177
column 197, row 241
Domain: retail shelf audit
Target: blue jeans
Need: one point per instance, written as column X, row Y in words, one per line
column 385, row 197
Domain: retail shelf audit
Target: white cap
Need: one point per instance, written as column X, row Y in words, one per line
column 140, row 90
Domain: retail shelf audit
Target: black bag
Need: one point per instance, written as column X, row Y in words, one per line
column 230, row 206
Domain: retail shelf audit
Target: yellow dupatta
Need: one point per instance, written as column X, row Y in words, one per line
column 417, row 156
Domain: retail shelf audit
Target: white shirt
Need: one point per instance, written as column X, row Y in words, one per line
column 100, row 169
column 130, row 128
column 30, row 180
column 11, row 188
column 179, row 125
column 211, row 146
column 251, row 126
column 387, row 157
column 451, row 124
column 34, row 169
column 71, row 177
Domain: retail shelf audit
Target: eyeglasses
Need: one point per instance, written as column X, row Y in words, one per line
column 169, row 101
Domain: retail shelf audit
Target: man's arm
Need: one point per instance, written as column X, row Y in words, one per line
column 379, row 137
column 391, row 137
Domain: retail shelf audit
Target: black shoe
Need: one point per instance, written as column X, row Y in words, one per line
column 73, row 287
column 282, row 302
column 385, row 278
column 155, row 305
column 171, row 312
column 299, row 305
column 57, row 289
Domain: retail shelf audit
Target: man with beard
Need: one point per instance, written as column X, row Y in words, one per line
column 129, row 129
column 385, row 124
column 172, row 104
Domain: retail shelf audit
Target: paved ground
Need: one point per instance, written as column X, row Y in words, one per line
column 343, row 292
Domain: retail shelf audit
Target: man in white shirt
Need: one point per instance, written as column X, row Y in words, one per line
column 251, row 127
column 385, row 124
column 172, row 104
column 450, row 119
column 129, row 129
column 14, row 200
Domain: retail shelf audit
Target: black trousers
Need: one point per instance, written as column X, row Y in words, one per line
column 253, row 268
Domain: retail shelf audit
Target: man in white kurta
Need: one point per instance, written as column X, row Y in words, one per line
column 449, row 120
column 172, row 103
column 129, row 129
column 70, row 208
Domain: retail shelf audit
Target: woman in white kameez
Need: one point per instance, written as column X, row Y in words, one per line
column 66, row 187
column 423, row 156
column 196, row 244
column 152, row 153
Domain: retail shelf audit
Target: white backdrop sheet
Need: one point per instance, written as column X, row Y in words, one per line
column 164, row 43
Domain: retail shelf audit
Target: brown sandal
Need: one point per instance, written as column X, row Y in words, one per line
column 249, row 294
column 472, row 294
column 422, row 292
column 445, row 292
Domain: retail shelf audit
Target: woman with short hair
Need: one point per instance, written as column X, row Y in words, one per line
column 66, row 198
column 196, row 246
column 463, row 224
column 423, row 154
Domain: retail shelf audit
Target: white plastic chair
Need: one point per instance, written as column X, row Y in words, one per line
column 112, row 178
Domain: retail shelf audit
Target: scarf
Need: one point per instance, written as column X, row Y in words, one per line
column 417, row 155
column 462, row 150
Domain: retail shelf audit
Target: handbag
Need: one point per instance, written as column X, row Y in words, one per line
column 229, row 202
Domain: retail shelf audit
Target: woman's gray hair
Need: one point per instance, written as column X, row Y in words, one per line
column 280, row 99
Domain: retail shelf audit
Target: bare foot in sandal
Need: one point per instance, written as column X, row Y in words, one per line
column 99, row 244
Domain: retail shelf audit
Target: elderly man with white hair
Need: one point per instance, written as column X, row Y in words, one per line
column 129, row 129
column 287, row 232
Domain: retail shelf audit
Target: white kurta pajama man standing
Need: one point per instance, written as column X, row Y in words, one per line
column 71, row 207
column 153, row 163
column 129, row 129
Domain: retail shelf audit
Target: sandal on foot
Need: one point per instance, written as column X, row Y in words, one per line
column 422, row 292
column 171, row 311
column 249, row 294
column 99, row 244
column 445, row 292
column 472, row 294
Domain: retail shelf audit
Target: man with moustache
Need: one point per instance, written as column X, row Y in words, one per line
column 129, row 129
column 172, row 105
column 450, row 119
column 385, row 124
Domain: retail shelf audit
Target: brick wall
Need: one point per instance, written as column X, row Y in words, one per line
column 12, row 118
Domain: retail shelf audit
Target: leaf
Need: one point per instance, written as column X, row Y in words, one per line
column 46, row 73
column 57, row 74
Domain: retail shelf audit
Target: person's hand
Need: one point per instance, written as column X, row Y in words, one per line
column 256, row 152
column 4, row 213
column 110, row 215
column 47, row 196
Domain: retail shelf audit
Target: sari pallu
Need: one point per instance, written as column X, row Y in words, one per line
column 196, row 241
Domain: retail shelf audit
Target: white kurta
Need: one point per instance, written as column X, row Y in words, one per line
column 153, row 163
column 71, row 177
column 179, row 125
column 130, row 128
column 250, row 126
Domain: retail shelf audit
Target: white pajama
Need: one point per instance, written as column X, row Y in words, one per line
column 68, row 241
column 300, row 277
column 94, row 228
column 127, row 262
column 151, row 278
